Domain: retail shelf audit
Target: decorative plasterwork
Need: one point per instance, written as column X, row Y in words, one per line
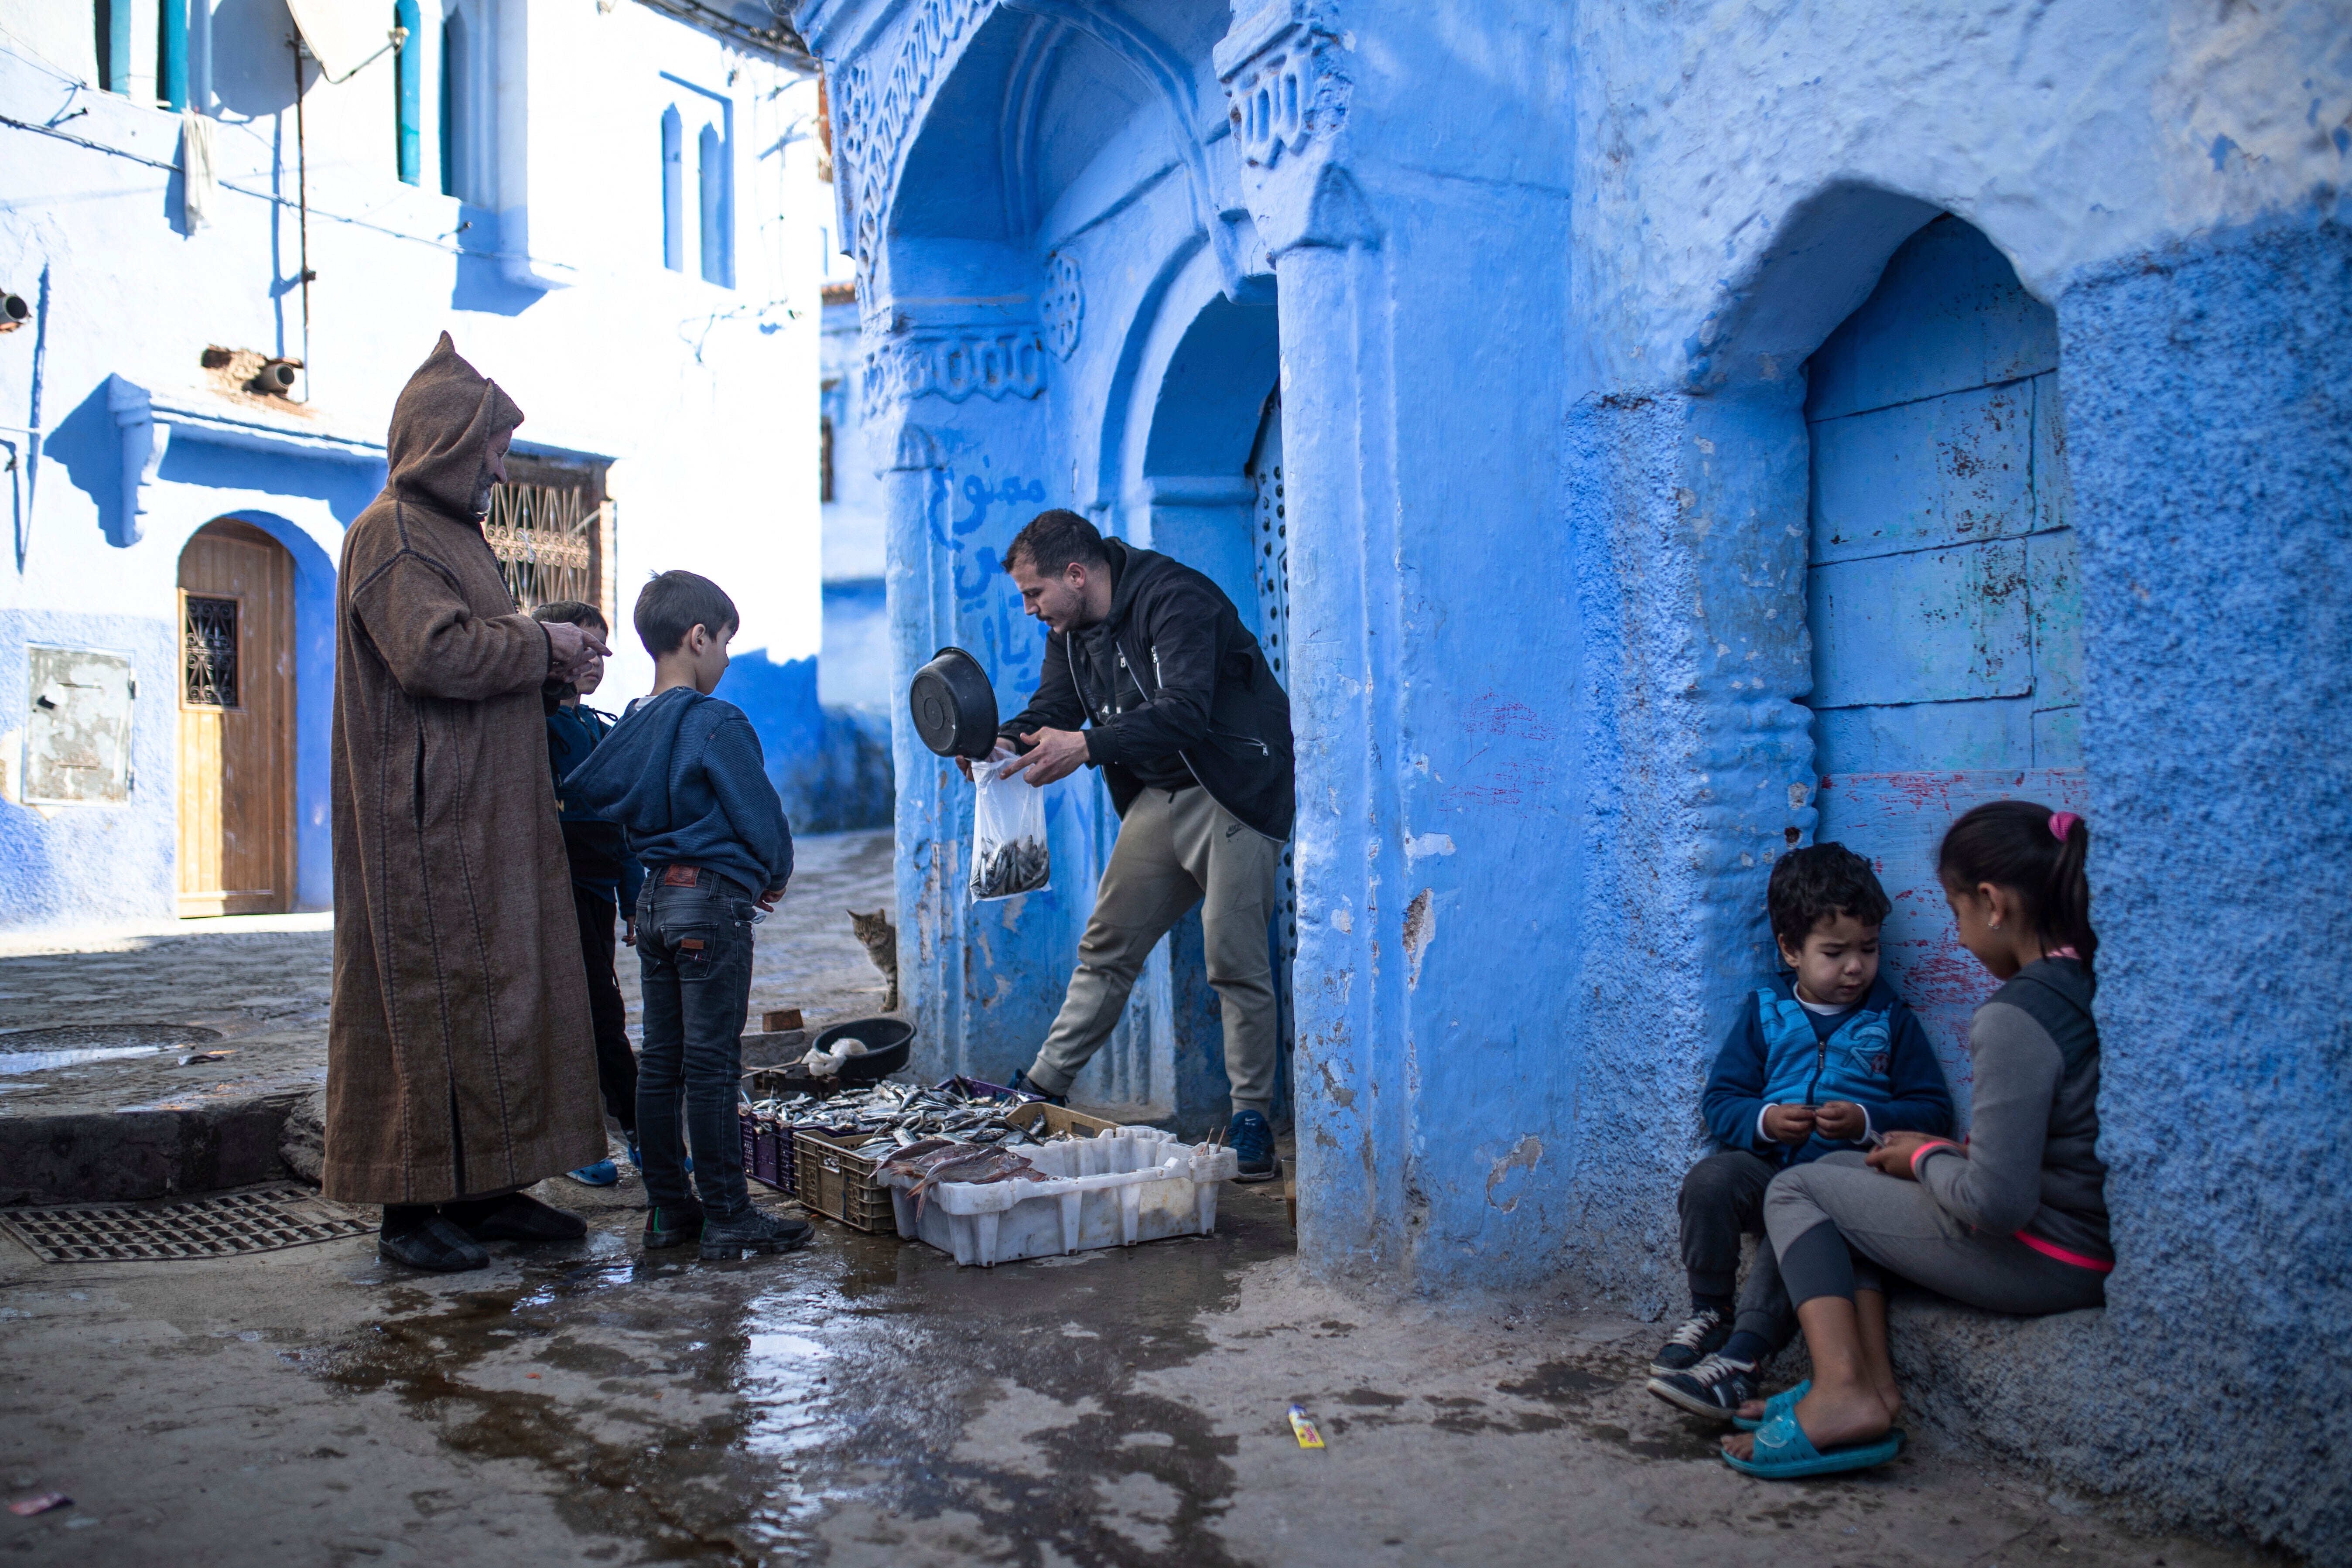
column 1285, row 72
column 1284, row 81
column 954, row 366
column 871, row 119
column 1064, row 306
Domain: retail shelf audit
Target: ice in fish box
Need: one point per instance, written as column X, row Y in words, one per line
column 1009, row 856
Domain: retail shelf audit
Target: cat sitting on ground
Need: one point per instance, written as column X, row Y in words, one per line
column 881, row 940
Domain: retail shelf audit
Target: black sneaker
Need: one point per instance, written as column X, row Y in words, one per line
column 754, row 1230
column 1715, row 1388
column 667, row 1226
column 1700, row 1335
column 434, row 1245
column 1251, row 1139
column 1021, row 1085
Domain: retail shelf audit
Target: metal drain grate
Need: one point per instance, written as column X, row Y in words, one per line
column 261, row 1220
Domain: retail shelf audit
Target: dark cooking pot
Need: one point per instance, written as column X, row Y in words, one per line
column 955, row 706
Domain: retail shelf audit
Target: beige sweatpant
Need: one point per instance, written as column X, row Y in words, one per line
column 1173, row 852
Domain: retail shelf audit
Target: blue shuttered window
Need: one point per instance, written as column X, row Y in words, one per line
column 673, row 191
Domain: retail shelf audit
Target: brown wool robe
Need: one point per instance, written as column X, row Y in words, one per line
column 459, row 991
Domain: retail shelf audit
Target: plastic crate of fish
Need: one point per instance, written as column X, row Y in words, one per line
column 1117, row 1188
column 834, row 1179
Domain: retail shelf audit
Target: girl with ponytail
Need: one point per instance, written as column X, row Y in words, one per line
column 2012, row 1220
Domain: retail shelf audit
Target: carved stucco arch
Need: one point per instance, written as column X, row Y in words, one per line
column 1266, row 164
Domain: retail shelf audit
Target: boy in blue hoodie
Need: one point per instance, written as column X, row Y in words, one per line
column 683, row 776
column 1823, row 1057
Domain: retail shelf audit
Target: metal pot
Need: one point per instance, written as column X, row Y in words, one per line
column 955, row 706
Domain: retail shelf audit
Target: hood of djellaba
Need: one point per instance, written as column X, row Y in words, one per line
column 442, row 428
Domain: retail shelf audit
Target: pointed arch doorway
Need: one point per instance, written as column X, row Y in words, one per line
column 237, row 722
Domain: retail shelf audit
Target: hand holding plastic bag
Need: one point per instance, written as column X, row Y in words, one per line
column 1008, row 821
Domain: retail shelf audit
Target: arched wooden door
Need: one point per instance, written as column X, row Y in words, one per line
column 237, row 722
column 1943, row 594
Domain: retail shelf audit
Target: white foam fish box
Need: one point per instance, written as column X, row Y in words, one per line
column 1119, row 1188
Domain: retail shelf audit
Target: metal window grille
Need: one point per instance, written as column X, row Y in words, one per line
column 545, row 538
column 208, row 652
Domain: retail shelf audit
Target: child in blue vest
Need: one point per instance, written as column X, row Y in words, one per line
column 1823, row 1057
column 605, row 881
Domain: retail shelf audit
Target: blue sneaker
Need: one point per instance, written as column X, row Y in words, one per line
column 602, row 1173
column 1252, row 1138
column 636, row 1155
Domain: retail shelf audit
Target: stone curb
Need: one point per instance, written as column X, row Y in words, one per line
column 121, row 1156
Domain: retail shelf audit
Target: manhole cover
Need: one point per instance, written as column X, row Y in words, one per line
column 261, row 1220
column 44, row 1050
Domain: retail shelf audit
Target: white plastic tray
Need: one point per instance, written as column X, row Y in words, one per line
column 1137, row 1183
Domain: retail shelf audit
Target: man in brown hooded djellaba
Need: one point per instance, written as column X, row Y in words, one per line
column 461, row 1064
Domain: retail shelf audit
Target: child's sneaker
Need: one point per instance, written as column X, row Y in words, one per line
column 1715, row 1388
column 754, row 1230
column 602, row 1173
column 1700, row 1335
column 667, row 1226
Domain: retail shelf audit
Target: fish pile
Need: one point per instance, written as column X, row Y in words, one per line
column 891, row 1117
column 1017, row 865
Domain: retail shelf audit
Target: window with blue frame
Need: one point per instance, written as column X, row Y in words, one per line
column 673, row 192
column 717, row 261
column 456, row 105
column 706, row 120
column 407, row 92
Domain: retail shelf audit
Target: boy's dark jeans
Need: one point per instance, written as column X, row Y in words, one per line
column 694, row 944
column 616, row 1065
column 1723, row 1198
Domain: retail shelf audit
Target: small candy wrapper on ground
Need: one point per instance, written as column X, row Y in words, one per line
column 25, row 1508
column 1303, row 1426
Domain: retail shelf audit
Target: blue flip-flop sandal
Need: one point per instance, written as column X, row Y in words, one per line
column 1783, row 1453
column 1784, row 1400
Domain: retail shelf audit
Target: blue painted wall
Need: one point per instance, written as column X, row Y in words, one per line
column 1551, row 291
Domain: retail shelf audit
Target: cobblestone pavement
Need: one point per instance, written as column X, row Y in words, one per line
column 260, row 984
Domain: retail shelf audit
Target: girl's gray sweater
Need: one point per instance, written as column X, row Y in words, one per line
column 2031, row 1166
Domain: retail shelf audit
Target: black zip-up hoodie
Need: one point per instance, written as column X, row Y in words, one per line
column 1170, row 680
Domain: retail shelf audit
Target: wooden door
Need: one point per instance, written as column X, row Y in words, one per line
column 1942, row 595
column 237, row 722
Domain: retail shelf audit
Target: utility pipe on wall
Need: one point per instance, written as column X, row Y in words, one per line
column 302, row 205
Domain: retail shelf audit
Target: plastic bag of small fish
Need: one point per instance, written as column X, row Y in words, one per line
column 1008, row 837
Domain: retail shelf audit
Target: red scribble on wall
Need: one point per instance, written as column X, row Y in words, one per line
column 1506, row 765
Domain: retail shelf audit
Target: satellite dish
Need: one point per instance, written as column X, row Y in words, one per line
column 342, row 34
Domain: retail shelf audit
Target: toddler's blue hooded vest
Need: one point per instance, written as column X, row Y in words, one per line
column 1802, row 1068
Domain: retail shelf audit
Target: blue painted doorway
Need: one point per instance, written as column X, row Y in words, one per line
column 1942, row 592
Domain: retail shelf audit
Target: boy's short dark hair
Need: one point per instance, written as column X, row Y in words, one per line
column 673, row 604
column 1053, row 541
column 570, row 613
column 1821, row 882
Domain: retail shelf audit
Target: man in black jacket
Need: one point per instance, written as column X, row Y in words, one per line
column 1150, row 675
